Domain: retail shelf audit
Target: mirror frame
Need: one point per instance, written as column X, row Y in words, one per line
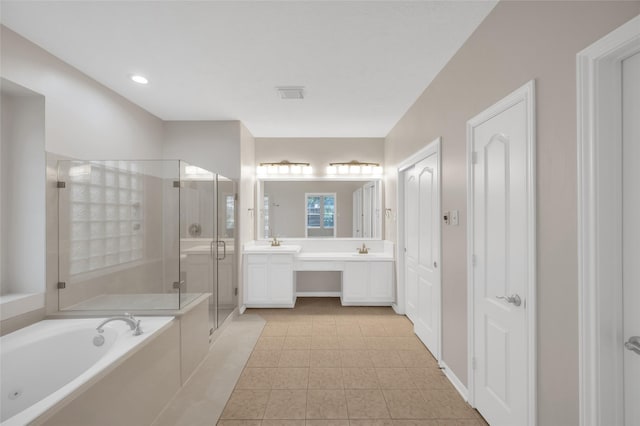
column 259, row 201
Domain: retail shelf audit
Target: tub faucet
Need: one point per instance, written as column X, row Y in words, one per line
column 363, row 250
column 134, row 323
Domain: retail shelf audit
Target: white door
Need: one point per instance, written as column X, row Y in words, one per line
column 412, row 218
column 631, row 236
column 423, row 250
column 501, row 258
column 367, row 211
column 357, row 213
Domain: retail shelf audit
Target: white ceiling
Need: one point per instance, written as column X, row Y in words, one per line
column 362, row 63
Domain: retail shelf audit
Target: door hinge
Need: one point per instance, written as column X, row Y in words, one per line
column 61, row 285
column 474, row 157
column 178, row 284
column 61, row 184
column 176, row 184
column 235, row 196
column 235, row 291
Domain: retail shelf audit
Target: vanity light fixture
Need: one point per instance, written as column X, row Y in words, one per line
column 354, row 167
column 284, row 167
column 139, row 79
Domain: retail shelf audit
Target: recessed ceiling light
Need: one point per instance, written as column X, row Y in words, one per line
column 139, row 79
column 290, row 92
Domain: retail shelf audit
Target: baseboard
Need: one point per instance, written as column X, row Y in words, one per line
column 462, row 389
column 319, row 294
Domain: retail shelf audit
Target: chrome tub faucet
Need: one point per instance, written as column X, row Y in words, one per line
column 133, row 323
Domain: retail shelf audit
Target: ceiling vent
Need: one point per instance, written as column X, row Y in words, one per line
column 291, row 92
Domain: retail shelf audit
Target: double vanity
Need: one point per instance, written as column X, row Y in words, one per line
column 271, row 272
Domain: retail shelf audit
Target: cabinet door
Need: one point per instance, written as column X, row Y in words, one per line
column 281, row 282
column 257, row 290
column 354, row 281
column 381, row 281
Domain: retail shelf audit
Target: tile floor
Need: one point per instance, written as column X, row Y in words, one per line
column 322, row 364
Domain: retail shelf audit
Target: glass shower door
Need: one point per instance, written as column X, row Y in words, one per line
column 198, row 237
column 227, row 297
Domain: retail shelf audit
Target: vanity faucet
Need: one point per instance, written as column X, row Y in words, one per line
column 363, row 250
column 134, row 323
column 275, row 242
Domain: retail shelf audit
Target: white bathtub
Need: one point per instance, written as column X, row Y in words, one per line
column 44, row 363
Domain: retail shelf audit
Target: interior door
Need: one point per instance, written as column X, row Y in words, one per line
column 500, row 244
column 412, row 218
column 427, row 325
column 423, row 250
column 367, row 211
column 631, row 236
column 357, row 213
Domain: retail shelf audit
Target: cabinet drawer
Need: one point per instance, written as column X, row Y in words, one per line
column 313, row 265
column 281, row 259
column 257, row 258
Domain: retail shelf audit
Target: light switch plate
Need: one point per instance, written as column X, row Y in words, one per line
column 454, row 218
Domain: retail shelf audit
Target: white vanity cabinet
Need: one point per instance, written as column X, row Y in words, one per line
column 367, row 283
column 269, row 280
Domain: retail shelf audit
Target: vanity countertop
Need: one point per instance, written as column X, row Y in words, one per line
column 327, row 251
column 268, row 249
column 345, row 256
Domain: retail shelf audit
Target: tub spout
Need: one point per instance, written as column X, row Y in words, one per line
column 134, row 323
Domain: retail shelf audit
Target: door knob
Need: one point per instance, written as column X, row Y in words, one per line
column 513, row 299
column 633, row 344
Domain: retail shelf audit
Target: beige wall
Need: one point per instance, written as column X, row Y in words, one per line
column 246, row 204
column 84, row 119
column 517, row 42
column 213, row 145
column 22, row 200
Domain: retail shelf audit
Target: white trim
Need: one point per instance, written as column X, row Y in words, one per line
column 434, row 147
column 599, row 231
column 524, row 94
column 318, row 294
column 457, row 383
column 14, row 304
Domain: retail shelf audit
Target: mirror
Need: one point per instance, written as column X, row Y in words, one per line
column 319, row 209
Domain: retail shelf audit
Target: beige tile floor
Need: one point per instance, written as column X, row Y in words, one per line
column 321, row 364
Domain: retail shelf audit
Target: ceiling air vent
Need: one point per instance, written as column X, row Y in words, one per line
column 291, row 92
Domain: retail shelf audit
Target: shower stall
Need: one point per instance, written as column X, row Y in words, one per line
column 144, row 237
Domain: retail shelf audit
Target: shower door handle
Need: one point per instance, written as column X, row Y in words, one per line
column 224, row 250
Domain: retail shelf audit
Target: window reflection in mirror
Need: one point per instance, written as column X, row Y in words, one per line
column 319, row 209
